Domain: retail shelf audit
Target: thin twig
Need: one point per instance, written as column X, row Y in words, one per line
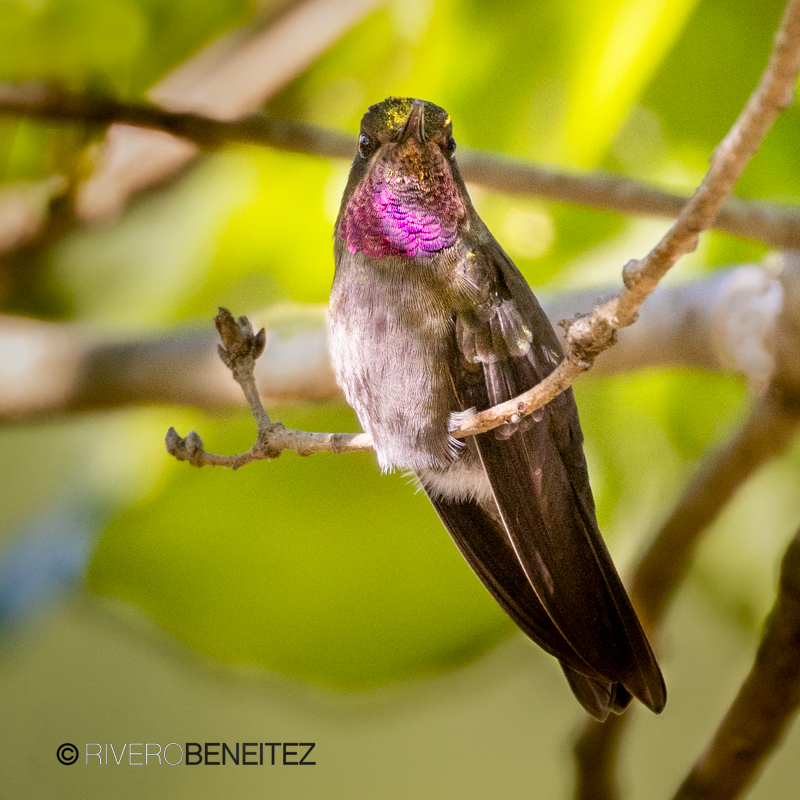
column 765, row 705
column 304, row 443
column 239, row 351
column 774, row 224
column 588, row 337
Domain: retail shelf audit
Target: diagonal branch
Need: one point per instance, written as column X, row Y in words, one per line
column 766, row 433
column 588, row 337
column 765, row 705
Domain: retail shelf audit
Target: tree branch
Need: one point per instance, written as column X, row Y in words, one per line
column 595, row 752
column 765, row 704
column 49, row 368
column 785, row 386
column 588, row 337
column 774, row 224
column 233, row 76
column 771, row 223
column 723, row 322
column 239, row 350
column 42, row 102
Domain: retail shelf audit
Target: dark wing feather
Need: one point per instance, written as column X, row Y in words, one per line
column 612, row 697
column 488, row 551
column 539, row 479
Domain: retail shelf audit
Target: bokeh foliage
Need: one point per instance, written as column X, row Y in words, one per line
column 322, row 569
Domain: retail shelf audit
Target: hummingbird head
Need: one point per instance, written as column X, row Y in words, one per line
column 405, row 196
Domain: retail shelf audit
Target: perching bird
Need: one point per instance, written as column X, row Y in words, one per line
column 430, row 320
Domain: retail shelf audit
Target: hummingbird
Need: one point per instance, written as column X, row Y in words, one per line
column 430, row 321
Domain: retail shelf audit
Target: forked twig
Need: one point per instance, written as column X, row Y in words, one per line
column 239, row 350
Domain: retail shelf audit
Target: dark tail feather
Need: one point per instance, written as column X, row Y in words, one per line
column 556, row 539
column 597, row 697
column 622, row 699
column 488, row 551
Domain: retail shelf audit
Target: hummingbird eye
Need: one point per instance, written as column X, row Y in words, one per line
column 364, row 145
column 450, row 146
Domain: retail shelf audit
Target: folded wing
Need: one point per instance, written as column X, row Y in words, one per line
column 486, row 548
column 544, row 559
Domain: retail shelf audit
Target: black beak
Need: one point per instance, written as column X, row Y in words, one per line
column 415, row 124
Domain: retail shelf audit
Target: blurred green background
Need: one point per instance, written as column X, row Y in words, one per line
column 314, row 600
